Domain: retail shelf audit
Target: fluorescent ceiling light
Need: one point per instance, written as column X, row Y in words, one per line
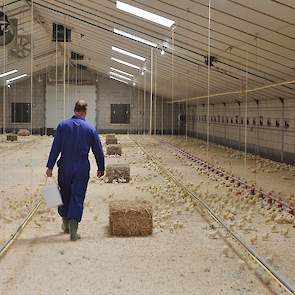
column 8, row 73
column 145, row 14
column 16, row 78
column 133, row 37
column 114, row 78
column 125, row 63
column 120, row 76
column 127, row 53
column 122, row 72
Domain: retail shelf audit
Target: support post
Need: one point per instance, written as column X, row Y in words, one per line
column 282, row 130
column 4, row 86
column 144, row 104
column 138, row 112
column 225, row 123
column 155, row 97
column 172, row 83
column 257, row 128
column 162, row 117
column 64, row 77
column 151, row 94
column 32, row 64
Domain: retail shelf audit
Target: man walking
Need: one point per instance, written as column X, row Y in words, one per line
column 73, row 139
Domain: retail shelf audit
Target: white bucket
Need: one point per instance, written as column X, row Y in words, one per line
column 52, row 195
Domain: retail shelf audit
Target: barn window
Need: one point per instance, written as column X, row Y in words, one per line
column 120, row 113
column 20, row 112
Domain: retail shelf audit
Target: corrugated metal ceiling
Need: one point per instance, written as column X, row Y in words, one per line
column 246, row 35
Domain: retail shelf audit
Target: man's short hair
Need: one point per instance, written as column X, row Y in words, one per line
column 81, row 106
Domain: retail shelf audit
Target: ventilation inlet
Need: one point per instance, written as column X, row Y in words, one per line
column 60, row 33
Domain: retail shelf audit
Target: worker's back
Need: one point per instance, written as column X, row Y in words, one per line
column 76, row 138
column 73, row 140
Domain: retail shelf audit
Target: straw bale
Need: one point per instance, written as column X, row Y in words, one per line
column 114, row 149
column 108, row 136
column 131, row 218
column 113, row 140
column 11, row 137
column 23, row 132
column 117, row 172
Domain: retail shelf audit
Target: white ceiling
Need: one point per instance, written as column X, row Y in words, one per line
column 251, row 39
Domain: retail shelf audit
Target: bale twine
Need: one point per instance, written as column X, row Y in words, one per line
column 114, row 149
column 131, row 218
column 11, row 137
column 23, row 132
column 117, row 173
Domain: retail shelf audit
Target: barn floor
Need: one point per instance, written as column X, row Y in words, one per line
column 185, row 255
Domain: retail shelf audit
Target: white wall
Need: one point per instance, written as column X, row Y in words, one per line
column 275, row 141
column 55, row 107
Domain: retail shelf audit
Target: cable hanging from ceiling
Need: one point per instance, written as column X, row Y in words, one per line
column 64, row 70
column 151, row 91
column 155, row 96
column 172, row 78
column 208, row 81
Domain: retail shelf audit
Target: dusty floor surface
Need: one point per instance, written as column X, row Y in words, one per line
column 267, row 174
column 185, row 255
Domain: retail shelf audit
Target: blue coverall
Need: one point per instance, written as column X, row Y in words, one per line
column 73, row 139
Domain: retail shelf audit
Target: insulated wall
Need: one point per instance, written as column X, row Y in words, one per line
column 267, row 126
column 58, row 108
column 113, row 92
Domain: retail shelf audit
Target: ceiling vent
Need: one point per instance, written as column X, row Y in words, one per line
column 60, row 33
column 8, row 30
column 212, row 60
column 81, row 67
column 77, row 56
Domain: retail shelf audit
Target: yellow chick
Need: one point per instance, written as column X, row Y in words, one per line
column 253, row 240
column 285, row 232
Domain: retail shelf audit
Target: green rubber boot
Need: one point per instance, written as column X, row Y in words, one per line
column 73, row 226
column 65, row 225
